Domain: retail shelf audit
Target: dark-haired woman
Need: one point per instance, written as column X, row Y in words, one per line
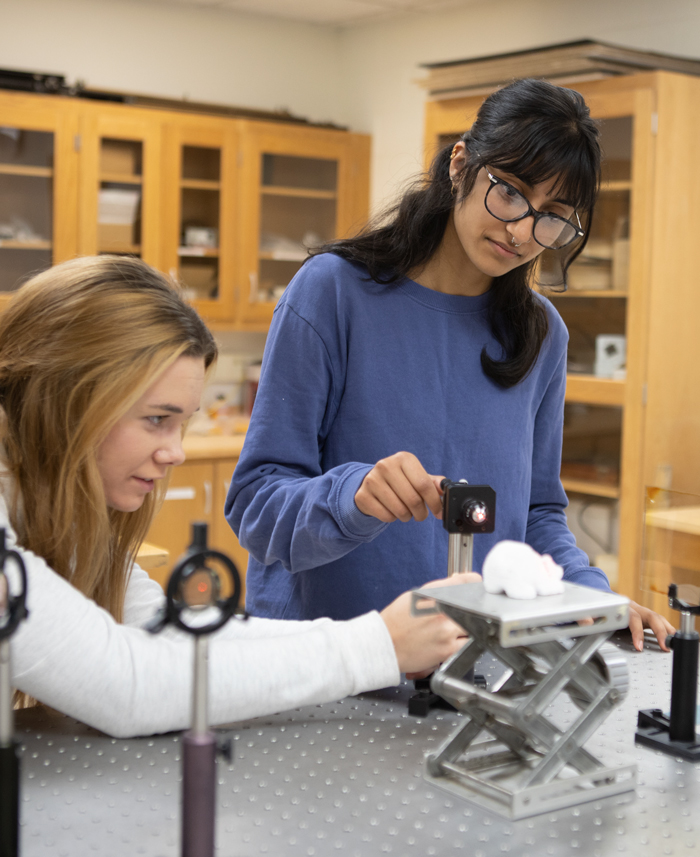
column 418, row 350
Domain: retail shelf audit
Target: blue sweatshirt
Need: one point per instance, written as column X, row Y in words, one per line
column 353, row 372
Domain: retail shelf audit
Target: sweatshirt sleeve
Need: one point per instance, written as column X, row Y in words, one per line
column 72, row 655
column 547, row 528
column 281, row 504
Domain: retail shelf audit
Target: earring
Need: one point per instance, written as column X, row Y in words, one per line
column 454, row 152
column 453, row 188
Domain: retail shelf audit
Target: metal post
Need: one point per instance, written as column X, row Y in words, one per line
column 684, row 684
column 199, row 765
column 460, row 553
column 6, row 717
column 468, row 552
column 200, row 688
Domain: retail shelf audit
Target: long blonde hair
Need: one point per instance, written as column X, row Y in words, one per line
column 79, row 345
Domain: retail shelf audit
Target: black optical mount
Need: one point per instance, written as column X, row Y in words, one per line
column 466, row 510
column 675, row 733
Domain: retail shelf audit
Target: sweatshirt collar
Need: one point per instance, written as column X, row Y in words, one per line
column 443, row 302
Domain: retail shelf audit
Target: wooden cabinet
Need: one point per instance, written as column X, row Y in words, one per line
column 120, row 184
column 199, row 211
column 38, row 186
column 224, row 204
column 298, row 190
column 638, row 279
column 196, row 492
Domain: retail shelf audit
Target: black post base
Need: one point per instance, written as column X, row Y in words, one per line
column 9, row 801
column 420, row 704
column 653, row 731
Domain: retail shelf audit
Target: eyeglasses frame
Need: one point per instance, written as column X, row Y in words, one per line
column 531, row 212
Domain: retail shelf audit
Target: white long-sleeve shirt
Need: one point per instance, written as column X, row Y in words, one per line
column 71, row 655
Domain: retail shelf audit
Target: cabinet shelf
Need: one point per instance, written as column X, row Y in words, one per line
column 120, row 178
column 200, row 184
column 11, row 244
column 615, row 186
column 590, row 293
column 589, row 390
column 122, row 249
column 274, row 256
column 207, row 252
column 22, row 170
column 593, row 489
column 303, row 193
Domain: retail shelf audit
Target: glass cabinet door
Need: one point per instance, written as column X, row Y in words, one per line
column 37, row 189
column 293, row 192
column 298, row 198
column 604, row 309
column 595, row 310
column 199, row 189
column 120, row 183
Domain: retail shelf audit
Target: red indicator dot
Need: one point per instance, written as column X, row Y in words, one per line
column 202, row 587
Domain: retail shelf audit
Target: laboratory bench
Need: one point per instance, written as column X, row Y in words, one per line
column 343, row 778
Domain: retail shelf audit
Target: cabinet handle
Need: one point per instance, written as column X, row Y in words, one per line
column 207, row 497
column 185, row 492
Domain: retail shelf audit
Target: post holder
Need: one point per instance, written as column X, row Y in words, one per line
column 675, row 733
column 194, row 587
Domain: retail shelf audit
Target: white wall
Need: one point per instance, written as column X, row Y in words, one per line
column 177, row 51
column 381, row 61
column 363, row 76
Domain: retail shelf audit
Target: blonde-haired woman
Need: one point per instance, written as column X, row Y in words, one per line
column 101, row 366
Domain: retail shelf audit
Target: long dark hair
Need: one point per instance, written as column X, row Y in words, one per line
column 531, row 129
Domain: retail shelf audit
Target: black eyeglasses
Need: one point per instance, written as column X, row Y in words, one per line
column 507, row 204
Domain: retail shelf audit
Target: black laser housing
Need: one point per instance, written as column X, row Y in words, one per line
column 459, row 503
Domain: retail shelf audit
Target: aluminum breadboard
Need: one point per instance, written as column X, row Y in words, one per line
column 343, row 778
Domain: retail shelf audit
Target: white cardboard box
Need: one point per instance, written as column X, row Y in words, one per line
column 610, row 355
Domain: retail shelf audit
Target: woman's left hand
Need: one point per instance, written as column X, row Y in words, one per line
column 643, row 617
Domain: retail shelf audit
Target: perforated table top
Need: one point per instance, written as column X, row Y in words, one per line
column 344, row 778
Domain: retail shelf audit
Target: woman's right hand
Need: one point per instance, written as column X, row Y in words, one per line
column 398, row 488
column 422, row 643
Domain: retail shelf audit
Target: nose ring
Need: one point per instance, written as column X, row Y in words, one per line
column 512, row 241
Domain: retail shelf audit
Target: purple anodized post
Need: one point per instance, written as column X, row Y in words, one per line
column 199, row 766
column 195, row 586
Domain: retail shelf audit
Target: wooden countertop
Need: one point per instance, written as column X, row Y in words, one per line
column 151, row 556
column 683, row 519
column 198, row 447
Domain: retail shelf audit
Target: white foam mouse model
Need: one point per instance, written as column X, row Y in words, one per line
column 518, row 570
